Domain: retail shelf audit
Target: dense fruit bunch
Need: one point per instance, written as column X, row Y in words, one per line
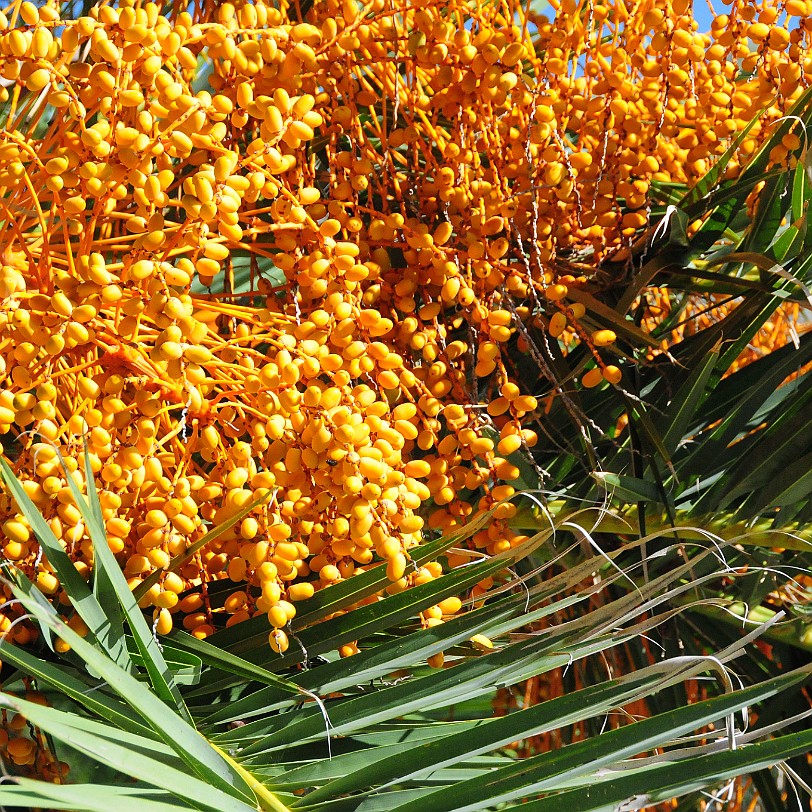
column 26, row 748
column 410, row 191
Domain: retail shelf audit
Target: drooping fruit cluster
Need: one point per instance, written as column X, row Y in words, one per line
column 25, row 749
column 286, row 252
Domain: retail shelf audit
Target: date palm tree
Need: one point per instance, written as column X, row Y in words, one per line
column 226, row 724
